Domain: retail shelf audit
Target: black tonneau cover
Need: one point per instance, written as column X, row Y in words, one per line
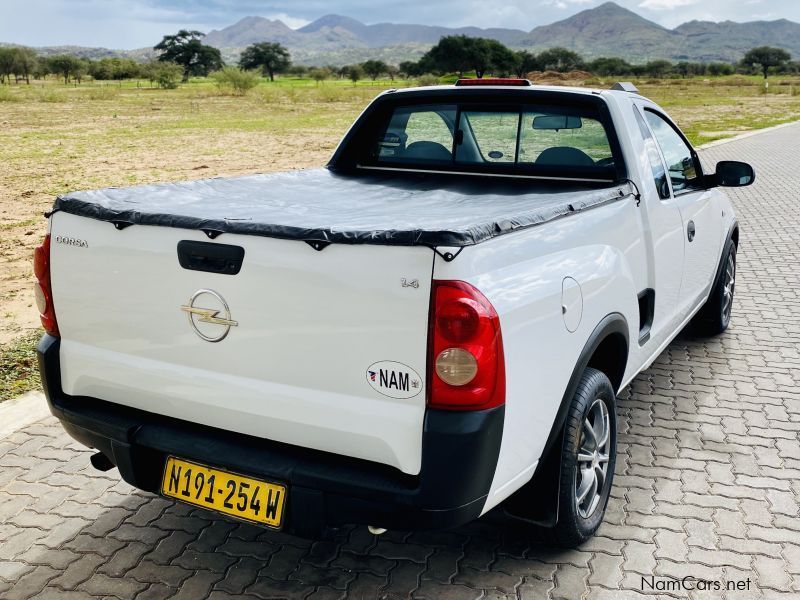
column 318, row 205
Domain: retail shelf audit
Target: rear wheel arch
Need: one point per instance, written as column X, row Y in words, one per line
column 611, row 357
column 605, row 350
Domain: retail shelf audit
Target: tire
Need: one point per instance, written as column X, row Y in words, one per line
column 584, row 462
column 715, row 316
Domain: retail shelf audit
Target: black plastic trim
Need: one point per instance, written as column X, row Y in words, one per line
column 209, row 257
column 352, row 148
column 647, row 307
column 459, row 457
column 613, row 323
column 725, row 247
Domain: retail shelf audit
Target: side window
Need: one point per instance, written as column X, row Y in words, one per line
column 656, row 165
column 417, row 134
column 428, row 126
column 677, row 154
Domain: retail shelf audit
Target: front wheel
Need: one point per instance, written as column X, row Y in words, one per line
column 715, row 316
column 588, row 456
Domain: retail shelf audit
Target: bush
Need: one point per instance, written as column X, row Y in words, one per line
column 102, row 93
column 319, row 74
column 236, row 80
column 428, row 79
column 6, row 95
column 166, row 75
column 51, row 96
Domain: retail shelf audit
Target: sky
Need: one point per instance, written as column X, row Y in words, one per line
column 127, row 24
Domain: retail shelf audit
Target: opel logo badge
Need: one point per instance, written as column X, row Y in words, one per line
column 209, row 315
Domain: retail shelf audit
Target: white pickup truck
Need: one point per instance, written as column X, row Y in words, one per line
column 435, row 324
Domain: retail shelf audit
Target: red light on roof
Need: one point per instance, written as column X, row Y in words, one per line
column 494, row 81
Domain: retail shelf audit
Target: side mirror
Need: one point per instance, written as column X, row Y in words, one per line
column 732, row 173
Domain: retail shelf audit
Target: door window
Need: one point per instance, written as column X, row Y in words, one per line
column 656, row 164
column 683, row 170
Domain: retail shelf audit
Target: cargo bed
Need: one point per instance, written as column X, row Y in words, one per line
column 317, row 205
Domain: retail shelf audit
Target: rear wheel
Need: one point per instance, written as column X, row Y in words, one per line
column 715, row 316
column 588, row 456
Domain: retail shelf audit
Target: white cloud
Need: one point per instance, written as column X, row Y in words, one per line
column 292, row 22
column 666, row 4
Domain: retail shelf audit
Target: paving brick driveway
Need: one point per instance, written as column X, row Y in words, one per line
column 707, row 483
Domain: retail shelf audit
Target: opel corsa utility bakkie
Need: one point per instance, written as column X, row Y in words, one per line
column 435, row 324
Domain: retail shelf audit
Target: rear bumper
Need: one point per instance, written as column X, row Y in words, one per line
column 459, row 456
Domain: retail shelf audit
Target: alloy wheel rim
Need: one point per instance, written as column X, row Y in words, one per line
column 727, row 290
column 591, row 474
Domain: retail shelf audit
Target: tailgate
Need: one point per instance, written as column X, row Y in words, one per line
column 320, row 349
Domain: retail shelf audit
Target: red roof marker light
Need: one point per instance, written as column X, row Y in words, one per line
column 510, row 81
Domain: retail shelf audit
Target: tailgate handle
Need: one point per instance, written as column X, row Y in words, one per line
column 209, row 257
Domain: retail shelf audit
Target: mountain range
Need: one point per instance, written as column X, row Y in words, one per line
column 606, row 30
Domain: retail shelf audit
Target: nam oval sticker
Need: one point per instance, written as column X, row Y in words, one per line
column 394, row 379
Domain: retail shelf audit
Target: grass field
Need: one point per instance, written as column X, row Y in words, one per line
column 56, row 138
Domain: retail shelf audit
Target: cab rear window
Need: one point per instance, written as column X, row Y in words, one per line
column 534, row 140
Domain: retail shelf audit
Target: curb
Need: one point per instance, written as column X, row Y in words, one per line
column 21, row 412
column 745, row 135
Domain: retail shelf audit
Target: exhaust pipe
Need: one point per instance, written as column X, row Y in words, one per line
column 101, row 462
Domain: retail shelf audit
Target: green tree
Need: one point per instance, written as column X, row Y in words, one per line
column 18, row 61
column 409, row 68
column 297, row 70
column 25, row 61
column 66, row 66
column 560, row 59
column 6, row 64
column 501, row 60
column 148, row 71
column 459, row 53
column 355, row 73
column 115, row 68
column 42, row 68
column 374, row 68
column 689, row 69
column 716, row 69
column 525, row 62
column 270, row 57
column 186, row 49
column 608, row 66
column 450, row 54
column 766, row 57
column 82, row 70
column 657, row 68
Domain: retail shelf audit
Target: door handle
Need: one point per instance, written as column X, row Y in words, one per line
column 210, row 257
column 690, row 230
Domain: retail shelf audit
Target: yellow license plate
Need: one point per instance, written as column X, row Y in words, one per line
column 228, row 493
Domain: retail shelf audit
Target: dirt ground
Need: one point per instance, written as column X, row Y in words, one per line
column 49, row 149
column 55, row 139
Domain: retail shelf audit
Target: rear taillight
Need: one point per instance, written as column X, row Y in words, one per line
column 466, row 369
column 42, row 287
